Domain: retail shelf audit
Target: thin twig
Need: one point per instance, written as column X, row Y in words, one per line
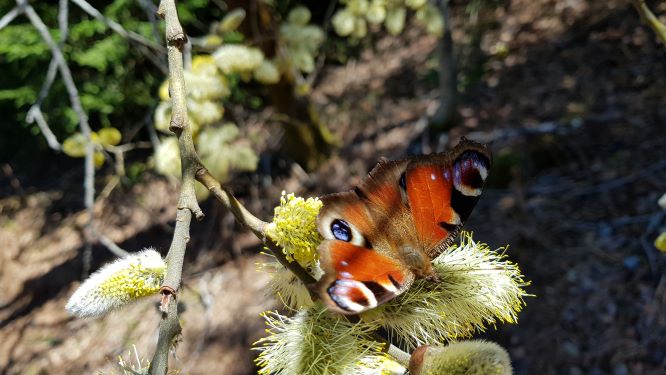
column 65, row 73
column 35, row 112
column 152, row 133
column 115, row 249
column 118, row 28
column 150, row 10
column 119, row 154
column 130, row 146
column 256, row 225
column 245, row 217
column 650, row 19
column 398, row 354
column 9, row 16
column 130, row 35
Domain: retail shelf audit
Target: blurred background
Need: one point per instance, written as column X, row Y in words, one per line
column 306, row 96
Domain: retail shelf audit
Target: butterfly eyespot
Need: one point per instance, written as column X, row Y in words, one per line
column 469, row 173
column 351, row 296
column 341, row 230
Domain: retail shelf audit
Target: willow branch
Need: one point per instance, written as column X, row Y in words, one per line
column 192, row 169
column 398, row 354
column 168, row 336
column 256, row 225
column 650, row 19
column 242, row 215
column 187, row 203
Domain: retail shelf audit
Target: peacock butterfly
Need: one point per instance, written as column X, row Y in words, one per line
column 382, row 235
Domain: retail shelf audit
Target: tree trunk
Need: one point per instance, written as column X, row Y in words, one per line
column 307, row 139
column 446, row 115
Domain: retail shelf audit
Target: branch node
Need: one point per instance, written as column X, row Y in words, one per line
column 167, row 293
column 199, row 175
column 198, row 213
column 161, row 12
column 177, row 38
column 177, row 124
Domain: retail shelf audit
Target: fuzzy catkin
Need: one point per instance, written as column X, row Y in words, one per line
column 118, row 283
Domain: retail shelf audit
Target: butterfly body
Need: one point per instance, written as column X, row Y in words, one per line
column 381, row 236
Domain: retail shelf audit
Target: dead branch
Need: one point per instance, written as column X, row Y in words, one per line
column 35, row 112
column 35, row 115
column 70, row 86
column 9, row 16
column 115, row 26
column 148, row 47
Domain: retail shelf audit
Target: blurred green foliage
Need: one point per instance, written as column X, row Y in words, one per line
column 117, row 82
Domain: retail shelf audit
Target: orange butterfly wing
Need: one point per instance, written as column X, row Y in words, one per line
column 361, row 278
column 442, row 191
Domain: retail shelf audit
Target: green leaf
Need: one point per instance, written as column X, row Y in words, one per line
column 22, row 41
column 85, row 29
column 103, row 53
column 21, row 96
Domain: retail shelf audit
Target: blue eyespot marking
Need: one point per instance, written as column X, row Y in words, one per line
column 341, row 230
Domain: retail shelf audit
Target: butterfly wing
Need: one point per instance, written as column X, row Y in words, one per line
column 357, row 278
column 442, row 190
column 359, row 255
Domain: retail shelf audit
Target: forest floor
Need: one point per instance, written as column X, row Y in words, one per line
column 569, row 95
